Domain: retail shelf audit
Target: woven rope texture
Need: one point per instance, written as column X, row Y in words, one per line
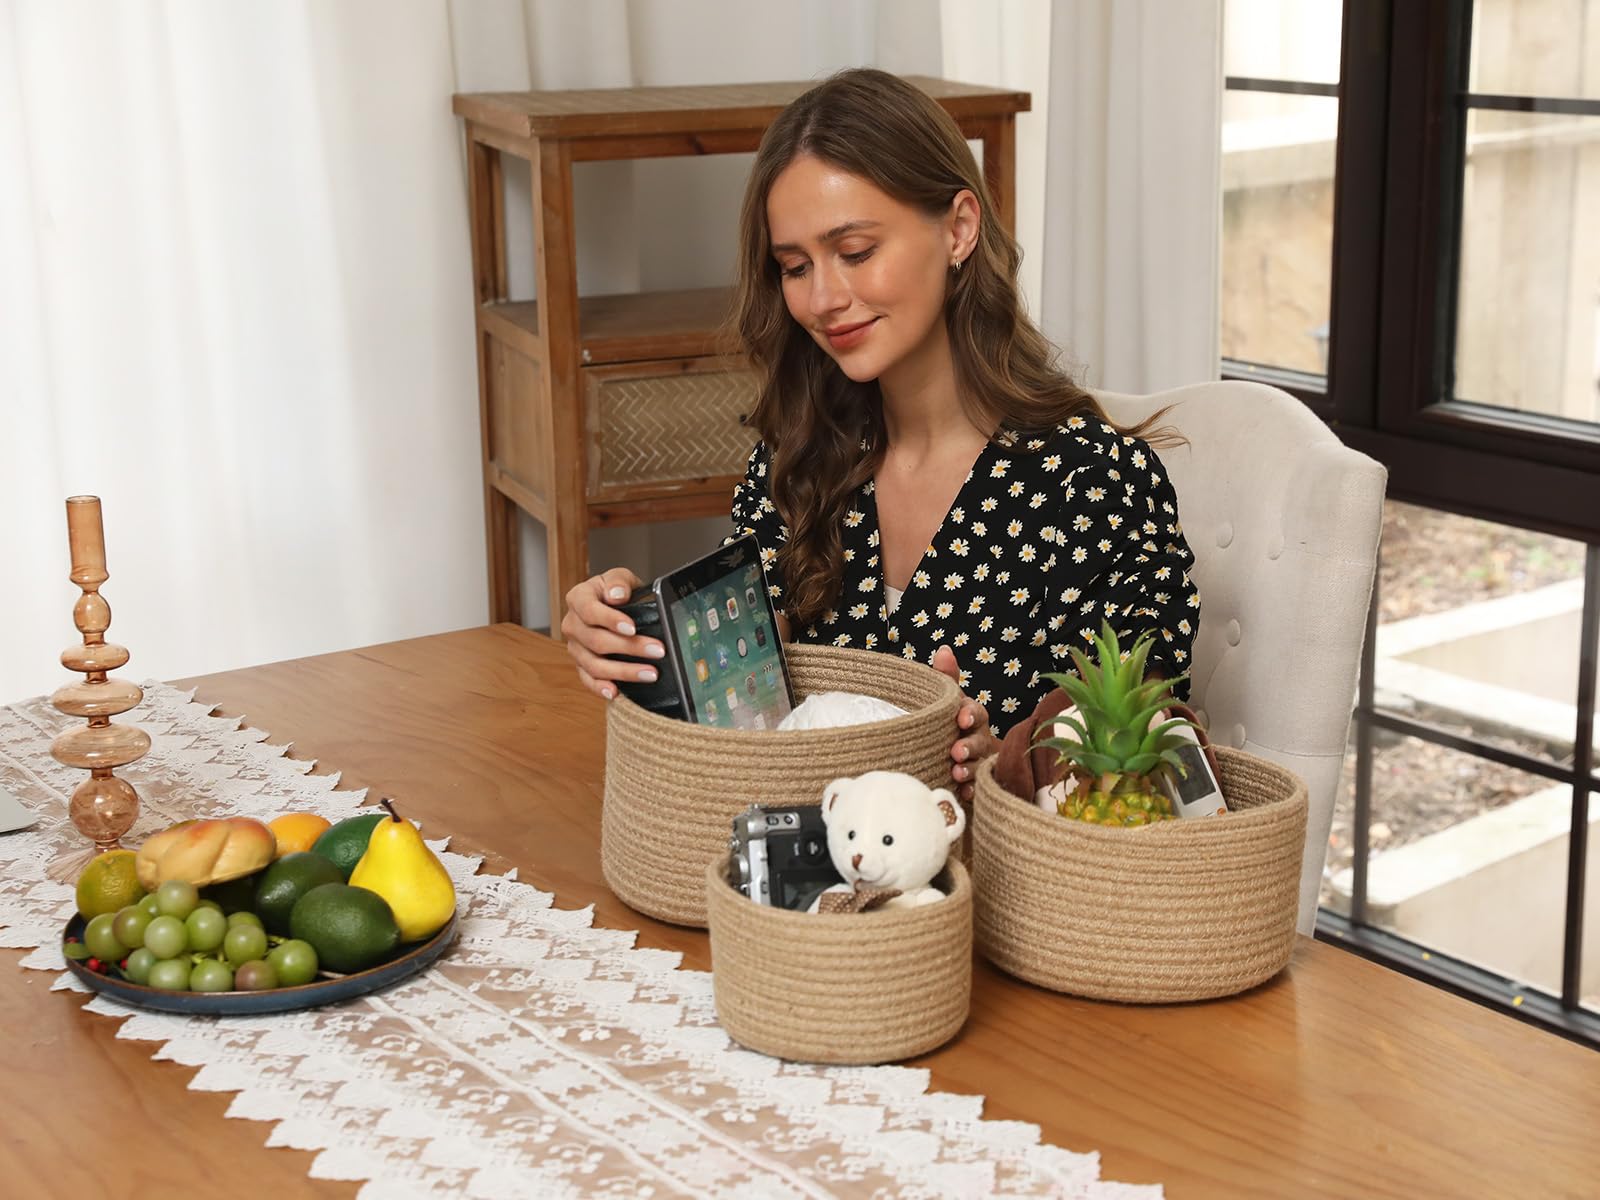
column 672, row 788
column 856, row 988
column 1180, row 910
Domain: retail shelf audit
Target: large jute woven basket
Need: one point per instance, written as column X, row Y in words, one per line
column 854, row 988
column 1179, row 910
column 673, row 788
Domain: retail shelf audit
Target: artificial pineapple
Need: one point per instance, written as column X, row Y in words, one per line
column 1118, row 758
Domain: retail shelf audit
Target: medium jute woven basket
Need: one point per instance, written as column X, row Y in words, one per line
column 673, row 788
column 1179, row 910
column 854, row 988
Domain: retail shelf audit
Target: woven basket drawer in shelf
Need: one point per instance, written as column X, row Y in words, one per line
column 671, row 422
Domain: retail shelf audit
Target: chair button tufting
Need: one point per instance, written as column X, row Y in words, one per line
column 1275, row 547
column 1238, row 737
column 1225, row 534
column 1233, row 633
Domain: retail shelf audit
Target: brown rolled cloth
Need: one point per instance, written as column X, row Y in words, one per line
column 1023, row 768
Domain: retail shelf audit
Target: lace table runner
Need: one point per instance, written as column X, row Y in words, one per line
column 540, row 1057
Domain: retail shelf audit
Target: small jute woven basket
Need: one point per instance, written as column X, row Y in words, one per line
column 673, row 788
column 853, row 988
column 1179, row 910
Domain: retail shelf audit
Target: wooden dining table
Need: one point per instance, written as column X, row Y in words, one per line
column 1337, row 1078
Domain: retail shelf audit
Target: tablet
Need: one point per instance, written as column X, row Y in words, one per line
column 722, row 635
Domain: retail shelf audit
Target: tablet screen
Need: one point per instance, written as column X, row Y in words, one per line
column 727, row 642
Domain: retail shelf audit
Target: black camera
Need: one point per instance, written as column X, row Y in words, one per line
column 780, row 855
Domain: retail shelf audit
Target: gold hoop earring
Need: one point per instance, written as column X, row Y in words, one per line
column 956, row 266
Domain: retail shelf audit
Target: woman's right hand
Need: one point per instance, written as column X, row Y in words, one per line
column 595, row 630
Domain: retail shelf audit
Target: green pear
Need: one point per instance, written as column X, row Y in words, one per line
column 399, row 866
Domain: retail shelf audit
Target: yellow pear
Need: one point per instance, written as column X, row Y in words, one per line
column 399, row 866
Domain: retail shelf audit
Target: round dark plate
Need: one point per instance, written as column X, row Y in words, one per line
column 407, row 962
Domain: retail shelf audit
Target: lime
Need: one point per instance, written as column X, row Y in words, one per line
column 350, row 928
column 110, row 882
column 346, row 842
column 285, row 881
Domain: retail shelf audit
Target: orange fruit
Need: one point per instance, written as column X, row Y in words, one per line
column 108, row 883
column 297, row 831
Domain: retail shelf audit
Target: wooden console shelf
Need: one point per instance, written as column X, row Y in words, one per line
column 627, row 328
column 606, row 410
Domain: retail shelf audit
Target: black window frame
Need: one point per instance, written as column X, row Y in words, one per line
column 1403, row 106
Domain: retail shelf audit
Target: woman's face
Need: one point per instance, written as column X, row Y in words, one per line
column 863, row 273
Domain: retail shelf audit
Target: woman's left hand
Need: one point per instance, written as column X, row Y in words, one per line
column 973, row 741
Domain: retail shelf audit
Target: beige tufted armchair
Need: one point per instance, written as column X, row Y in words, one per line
column 1283, row 520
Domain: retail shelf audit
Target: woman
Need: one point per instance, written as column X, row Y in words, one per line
column 928, row 482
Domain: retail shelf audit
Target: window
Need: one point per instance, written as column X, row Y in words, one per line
column 1527, row 314
column 1430, row 285
column 1280, row 116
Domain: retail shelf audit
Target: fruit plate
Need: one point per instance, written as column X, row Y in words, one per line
column 327, row 990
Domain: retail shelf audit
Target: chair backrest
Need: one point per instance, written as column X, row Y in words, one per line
column 1284, row 521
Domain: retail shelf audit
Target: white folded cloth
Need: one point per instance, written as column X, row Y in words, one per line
column 831, row 710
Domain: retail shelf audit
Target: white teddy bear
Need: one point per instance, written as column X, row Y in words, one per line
column 889, row 832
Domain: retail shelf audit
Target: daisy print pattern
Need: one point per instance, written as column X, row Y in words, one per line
column 1098, row 501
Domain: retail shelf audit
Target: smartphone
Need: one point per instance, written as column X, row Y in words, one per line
column 1196, row 792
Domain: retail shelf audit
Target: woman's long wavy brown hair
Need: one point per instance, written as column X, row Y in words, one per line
column 813, row 418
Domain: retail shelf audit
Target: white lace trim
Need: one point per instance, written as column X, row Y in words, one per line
column 541, row 1057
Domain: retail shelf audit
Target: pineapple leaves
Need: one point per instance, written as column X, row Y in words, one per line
column 1116, row 743
column 1097, row 763
column 1124, row 743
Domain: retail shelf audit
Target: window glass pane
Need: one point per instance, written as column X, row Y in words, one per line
column 1277, row 228
column 1468, row 858
column 1528, row 308
column 1478, row 625
column 1536, row 47
column 1272, row 39
column 1478, row 628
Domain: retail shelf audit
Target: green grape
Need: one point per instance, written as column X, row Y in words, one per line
column 98, row 935
column 139, row 964
column 149, row 907
column 244, row 943
column 211, row 976
column 206, row 927
column 170, row 975
column 255, row 976
column 243, row 918
column 166, row 937
column 210, row 904
column 129, row 926
column 295, row 962
column 177, row 899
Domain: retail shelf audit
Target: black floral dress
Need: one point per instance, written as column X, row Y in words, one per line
column 1051, row 532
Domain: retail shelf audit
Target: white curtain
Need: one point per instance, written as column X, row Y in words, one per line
column 236, row 305
column 235, row 294
column 1133, row 197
